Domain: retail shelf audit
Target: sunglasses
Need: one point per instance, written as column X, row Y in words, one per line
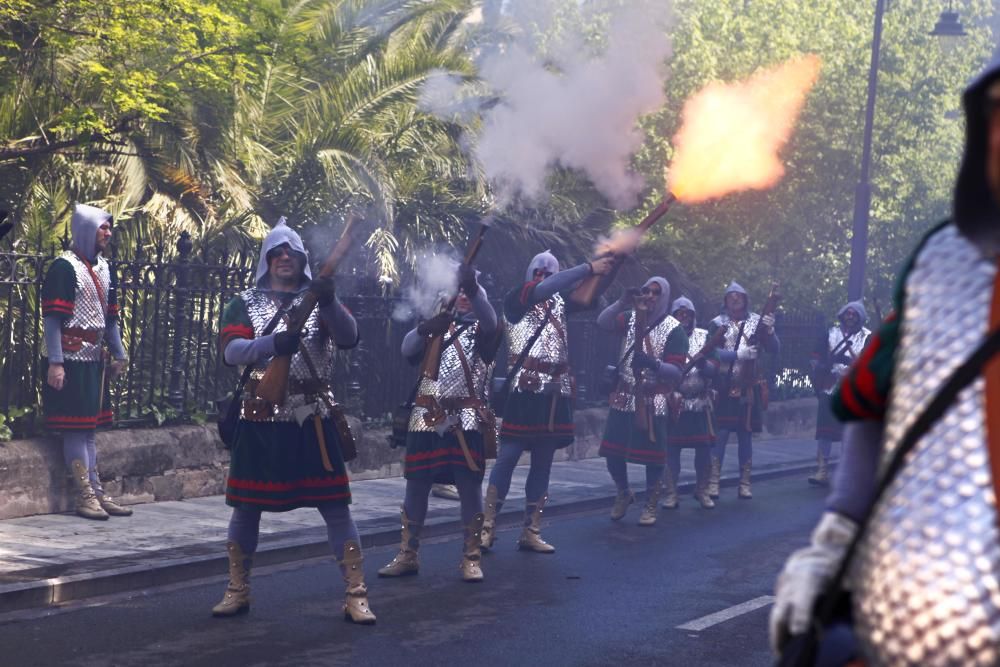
column 282, row 251
column 649, row 290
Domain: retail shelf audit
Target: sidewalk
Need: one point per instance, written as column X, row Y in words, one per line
column 51, row 559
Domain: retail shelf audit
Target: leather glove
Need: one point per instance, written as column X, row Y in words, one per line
column 467, row 281
column 436, row 325
column 844, row 359
column 642, row 360
column 602, row 266
column 701, row 363
column 324, row 289
column 768, row 322
column 628, row 296
column 746, row 352
column 286, row 342
column 805, row 575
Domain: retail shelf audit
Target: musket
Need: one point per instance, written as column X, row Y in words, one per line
column 591, row 286
column 642, row 421
column 750, row 369
column 713, row 342
column 273, row 387
column 431, row 364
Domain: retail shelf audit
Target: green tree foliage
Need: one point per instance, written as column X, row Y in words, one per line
column 799, row 232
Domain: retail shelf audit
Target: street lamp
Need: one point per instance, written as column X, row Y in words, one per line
column 948, row 26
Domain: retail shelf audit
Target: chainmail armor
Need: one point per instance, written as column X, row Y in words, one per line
column 729, row 343
column 551, row 346
column 623, row 397
column 88, row 312
column 694, row 388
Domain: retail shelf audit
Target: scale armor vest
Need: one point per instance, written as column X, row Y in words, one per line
column 694, row 388
column 925, row 583
column 856, row 346
column 88, row 312
column 729, row 343
column 623, row 397
column 452, row 382
column 261, row 308
column 551, row 347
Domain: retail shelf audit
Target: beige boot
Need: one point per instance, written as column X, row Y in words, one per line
column 87, row 505
column 531, row 536
column 670, row 500
column 702, row 474
column 491, row 507
column 744, row 492
column 472, row 554
column 622, row 501
column 356, row 607
column 648, row 516
column 237, row 597
column 822, row 476
column 406, row 561
column 714, row 473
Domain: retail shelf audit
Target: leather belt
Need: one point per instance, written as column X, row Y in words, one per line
column 92, row 336
column 547, row 367
column 448, row 404
column 295, row 386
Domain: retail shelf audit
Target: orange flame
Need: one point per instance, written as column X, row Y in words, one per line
column 731, row 133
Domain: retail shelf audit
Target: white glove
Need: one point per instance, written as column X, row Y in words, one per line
column 746, row 352
column 768, row 322
column 806, row 572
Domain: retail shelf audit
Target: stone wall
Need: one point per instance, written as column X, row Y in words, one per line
column 177, row 462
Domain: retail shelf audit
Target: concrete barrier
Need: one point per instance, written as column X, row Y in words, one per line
column 177, row 462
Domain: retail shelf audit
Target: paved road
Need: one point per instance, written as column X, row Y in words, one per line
column 614, row 593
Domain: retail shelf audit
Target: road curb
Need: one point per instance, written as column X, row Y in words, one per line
column 199, row 561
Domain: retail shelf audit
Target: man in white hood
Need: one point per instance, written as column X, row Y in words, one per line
column 81, row 321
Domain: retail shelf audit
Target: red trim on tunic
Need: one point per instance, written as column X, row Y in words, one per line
column 526, row 290
column 652, row 456
column 676, row 359
column 852, row 403
column 58, row 307
column 864, row 379
column 287, row 501
column 313, row 483
column 542, row 428
column 434, row 453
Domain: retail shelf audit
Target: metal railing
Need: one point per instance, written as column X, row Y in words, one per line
column 171, row 306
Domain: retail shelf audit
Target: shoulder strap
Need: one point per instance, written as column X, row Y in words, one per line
column 267, row 330
column 527, row 348
column 447, row 341
column 959, row 380
column 631, row 347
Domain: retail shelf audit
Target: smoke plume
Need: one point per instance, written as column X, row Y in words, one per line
column 436, row 283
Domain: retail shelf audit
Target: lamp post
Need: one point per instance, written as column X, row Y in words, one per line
column 948, row 26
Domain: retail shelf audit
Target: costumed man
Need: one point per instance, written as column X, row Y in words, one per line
column 923, row 580
column 291, row 455
column 834, row 354
column 654, row 346
column 740, row 406
column 80, row 313
column 451, row 427
column 694, row 403
column 538, row 415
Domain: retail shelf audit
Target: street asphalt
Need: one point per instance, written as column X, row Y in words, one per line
column 614, row 593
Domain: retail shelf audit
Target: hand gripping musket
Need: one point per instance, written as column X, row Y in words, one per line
column 713, row 342
column 273, row 387
column 431, row 364
column 749, row 376
column 592, row 286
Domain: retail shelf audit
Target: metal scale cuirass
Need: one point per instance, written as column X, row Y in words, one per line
column 732, row 327
column 694, row 388
column 926, row 582
column 550, row 348
column 88, row 311
column 856, row 347
column 318, row 343
column 623, row 397
column 452, row 381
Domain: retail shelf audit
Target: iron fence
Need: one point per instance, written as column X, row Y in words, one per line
column 171, row 305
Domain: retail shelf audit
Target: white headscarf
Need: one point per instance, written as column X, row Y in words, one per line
column 280, row 234
column 84, row 224
column 662, row 303
column 545, row 261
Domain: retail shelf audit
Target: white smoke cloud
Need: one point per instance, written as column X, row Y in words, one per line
column 436, row 284
column 578, row 110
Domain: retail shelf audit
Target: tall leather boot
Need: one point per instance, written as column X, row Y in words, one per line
column 822, row 475
column 648, row 516
column 87, row 505
column 670, row 500
column 714, row 474
column 744, row 492
column 356, row 607
column 622, row 501
column 237, row 597
column 109, row 504
column 406, row 561
column 472, row 554
column 702, row 474
column 531, row 535
column 491, row 507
